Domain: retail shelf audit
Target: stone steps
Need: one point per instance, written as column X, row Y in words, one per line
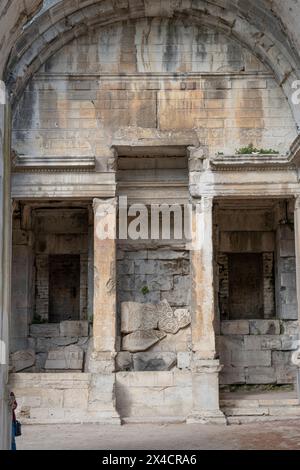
column 243, row 410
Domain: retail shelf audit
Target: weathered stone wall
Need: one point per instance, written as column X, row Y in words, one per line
column 257, row 351
column 44, row 233
column 286, row 273
column 230, row 99
column 154, row 394
column 154, row 275
column 150, row 277
column 54, row 347
column 22, row 285
column 64, row 398
column 70, row 398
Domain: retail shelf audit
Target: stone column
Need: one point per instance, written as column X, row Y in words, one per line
column 102, row 400
column 5, row 266
column 205, row 366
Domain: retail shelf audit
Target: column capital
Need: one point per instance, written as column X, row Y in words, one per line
column 105, row 205
column 204, row 204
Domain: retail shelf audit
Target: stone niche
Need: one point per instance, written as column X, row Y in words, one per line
column 257, row 352
column 54, row 347
column 155, row 337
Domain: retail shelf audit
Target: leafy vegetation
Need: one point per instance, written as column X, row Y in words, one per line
column 145, row 290
column 38, row 320
column 250, row 149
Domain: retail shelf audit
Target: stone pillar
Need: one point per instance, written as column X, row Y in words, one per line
column 205, row 366
column 90, row 303
column 5, row 268
column 102, row 399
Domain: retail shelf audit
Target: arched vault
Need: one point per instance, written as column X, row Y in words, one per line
column 37, row 29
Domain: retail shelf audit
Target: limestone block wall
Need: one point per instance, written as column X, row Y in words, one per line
column 64, row 398
column 78, row 398
column 154, row 337
column 257, row 351
column 286, row 273
column 153, row 282
column 37, row 235
column 54, row 347
column 154, row 394
column 154, row 275
column 229, row 98
column 23, row 277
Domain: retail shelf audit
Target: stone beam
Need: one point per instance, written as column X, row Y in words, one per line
column 5, row 260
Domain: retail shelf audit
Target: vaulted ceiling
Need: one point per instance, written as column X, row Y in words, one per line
column 32, row 30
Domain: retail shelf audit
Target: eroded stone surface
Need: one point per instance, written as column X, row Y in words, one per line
column 22, row 360
column 141, row 340
column 47, row 330
column 69, row 358
column 137, row 316
column 154, row 361
column 171, row 322
column 74, row 328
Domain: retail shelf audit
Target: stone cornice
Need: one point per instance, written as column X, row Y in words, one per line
column 261, row 162
column 251, row 163
column 50, row 164
column 294, row 154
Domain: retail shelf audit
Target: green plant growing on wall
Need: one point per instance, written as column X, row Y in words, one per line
column 38, row 320
column 250, row 149
column 145, row 290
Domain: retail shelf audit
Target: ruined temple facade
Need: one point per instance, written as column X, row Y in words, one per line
column 155, row 102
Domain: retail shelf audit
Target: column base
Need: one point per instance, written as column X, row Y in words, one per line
column 101, row 363
column 206, row 417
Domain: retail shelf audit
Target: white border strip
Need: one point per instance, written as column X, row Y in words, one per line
column 2, row 93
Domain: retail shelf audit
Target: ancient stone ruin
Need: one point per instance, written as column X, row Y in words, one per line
column 150, row 207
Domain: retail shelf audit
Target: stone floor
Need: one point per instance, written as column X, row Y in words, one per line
column 274, row 435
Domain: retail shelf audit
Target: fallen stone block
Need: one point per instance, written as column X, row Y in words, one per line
column 172, row 322
column 136, row 316
column 154, row 361
column 141, row 340
column 22, row 360
column 69, row 358
column 181, row 341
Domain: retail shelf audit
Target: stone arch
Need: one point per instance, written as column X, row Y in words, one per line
column 252, row 26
